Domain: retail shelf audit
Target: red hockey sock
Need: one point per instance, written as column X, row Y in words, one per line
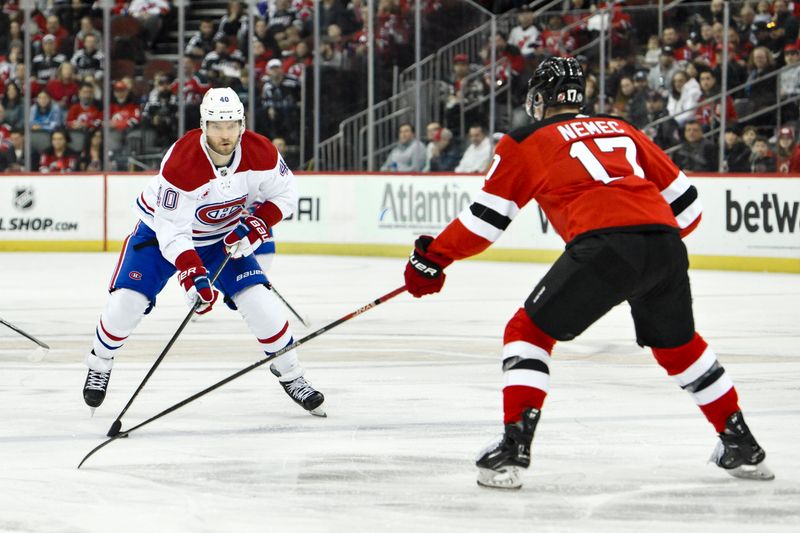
column 526, row 374
column 696, row 369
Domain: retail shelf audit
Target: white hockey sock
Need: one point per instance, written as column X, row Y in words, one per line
column 124, row 309
column 266, row 318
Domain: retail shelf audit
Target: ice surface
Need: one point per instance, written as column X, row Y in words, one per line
column 413, row 392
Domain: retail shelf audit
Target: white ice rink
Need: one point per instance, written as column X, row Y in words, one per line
column 413, row 393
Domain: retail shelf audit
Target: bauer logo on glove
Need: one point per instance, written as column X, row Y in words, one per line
column 246, row 237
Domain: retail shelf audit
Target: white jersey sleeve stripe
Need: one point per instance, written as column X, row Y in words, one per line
column 501, row 205
column 478, row 226
column 675, row 189
column 690, row 214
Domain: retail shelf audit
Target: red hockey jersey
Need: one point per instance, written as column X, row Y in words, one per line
column 588, row 174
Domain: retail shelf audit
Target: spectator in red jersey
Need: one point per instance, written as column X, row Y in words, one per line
column 554, row 41
column 784, row 149
column 59, row 157
column 125, row 115
column 195, row 83
column 91, row 158
column 5, row 127
column 84, row 115
column 63, row 88
column 295, row 64
column 62, row 40
column 708, row 114
column 525, row 31
column 87, row 28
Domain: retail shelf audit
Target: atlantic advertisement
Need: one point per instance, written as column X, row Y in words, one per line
column 752, row 217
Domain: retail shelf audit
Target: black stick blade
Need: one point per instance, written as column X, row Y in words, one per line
column 101, row 445
column 115, row 427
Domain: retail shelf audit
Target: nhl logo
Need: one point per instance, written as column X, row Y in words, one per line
column 223, row 172
column 23, row 197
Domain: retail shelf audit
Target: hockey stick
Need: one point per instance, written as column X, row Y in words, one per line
column 31, row 337
column 295, row 313
column 245, row 370
column 117, row 425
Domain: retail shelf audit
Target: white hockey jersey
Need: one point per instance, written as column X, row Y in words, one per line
column 191, row 203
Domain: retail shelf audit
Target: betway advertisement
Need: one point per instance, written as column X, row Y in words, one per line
column 750, row 217
column 51, row 208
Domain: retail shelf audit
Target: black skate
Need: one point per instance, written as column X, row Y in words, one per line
column 500, row 464
column 94, row 390
column 738, row 453
column 303, row 394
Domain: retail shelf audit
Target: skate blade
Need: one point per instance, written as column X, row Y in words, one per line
column 319, row 411
column 759, row 472
column 507, row 477
column 91, row 412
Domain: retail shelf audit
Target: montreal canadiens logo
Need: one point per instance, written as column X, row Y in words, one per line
column 216, row 213
column 136, row 276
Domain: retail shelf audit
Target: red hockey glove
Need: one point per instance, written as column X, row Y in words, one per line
column 194, row 278
column 424, row 270
column 246, row 237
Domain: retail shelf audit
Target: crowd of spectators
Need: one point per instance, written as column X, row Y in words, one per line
column 667, row 84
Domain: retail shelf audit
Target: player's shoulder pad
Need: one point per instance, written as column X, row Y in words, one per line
column 522, row 133
column 186, row 165
column 258, row 153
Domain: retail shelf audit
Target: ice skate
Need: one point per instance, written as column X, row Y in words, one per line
column 303, row 394
column 500, row 464
column 738, row 453
column 94, row 390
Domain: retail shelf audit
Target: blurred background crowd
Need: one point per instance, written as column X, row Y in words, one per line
column 98, row 86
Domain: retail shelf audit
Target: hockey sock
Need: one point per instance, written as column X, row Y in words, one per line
column 264, row 315
column 696, row 369
column 124, row 309
column 526, row 366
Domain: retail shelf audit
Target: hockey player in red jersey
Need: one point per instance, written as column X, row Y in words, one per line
column 190, row 215
column 621, row 206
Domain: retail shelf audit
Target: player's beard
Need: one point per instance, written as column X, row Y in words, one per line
column 223, row 150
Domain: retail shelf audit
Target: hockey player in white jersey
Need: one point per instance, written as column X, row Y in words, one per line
column 190, row 215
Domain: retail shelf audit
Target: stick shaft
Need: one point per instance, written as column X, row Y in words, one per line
column 295, row 313
column 245, row 370
column 171, row 342
column 26, row 335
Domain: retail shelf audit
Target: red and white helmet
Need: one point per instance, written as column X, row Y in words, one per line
column 221, row 105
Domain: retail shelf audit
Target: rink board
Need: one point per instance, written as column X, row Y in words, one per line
column 749, row 223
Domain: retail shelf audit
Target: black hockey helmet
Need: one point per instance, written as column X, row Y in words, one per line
column 556, row 81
